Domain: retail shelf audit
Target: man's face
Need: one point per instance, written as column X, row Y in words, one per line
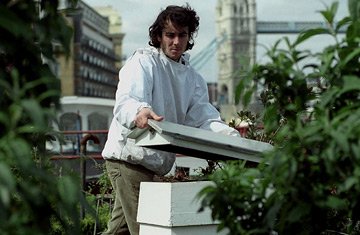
column 174, row 40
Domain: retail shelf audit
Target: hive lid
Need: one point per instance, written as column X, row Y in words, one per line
column 197, row 142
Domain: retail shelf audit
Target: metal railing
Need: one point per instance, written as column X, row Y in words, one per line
column 71, row 149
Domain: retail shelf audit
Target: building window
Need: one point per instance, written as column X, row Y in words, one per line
column 98, row 121
column 223, row 95
column 220, row 11
column 70, row 122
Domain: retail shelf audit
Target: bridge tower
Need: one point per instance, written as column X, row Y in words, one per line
column 236, row 25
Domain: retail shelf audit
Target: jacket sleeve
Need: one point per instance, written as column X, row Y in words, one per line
column 134, row 89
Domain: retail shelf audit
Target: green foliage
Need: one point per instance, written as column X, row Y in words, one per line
column 104, row 181
column 96, row 221
column 310, row 184
column 243, row 212
column 101, row 218
column 254, row 127
column 31, row 196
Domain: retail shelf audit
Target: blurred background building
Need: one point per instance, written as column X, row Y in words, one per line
column 89, row 76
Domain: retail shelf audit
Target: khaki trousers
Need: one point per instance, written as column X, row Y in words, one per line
column 125, row 179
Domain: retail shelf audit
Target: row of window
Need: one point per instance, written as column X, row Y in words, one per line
column 72, row 121
column 97, row 90
column 98, row 47
column 94, row 17
column 94, row 60
column 93, row 74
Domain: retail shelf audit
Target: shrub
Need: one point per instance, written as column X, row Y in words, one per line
column 31, row 196
column 310, row 183
column 100, row 218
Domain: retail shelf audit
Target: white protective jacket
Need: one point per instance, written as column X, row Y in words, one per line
column 173, row 90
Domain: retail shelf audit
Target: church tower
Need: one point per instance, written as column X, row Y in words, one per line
column 236, row 30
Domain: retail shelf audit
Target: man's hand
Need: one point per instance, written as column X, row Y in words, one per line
column 141, row 119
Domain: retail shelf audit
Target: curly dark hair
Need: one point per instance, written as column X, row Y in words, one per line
column 180, row 16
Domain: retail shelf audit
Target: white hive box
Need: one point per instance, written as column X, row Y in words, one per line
column 172, row 209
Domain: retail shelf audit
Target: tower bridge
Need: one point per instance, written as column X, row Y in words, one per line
column 288, row 27
column 237, row 21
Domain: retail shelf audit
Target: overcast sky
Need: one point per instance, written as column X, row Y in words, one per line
column 138, row 15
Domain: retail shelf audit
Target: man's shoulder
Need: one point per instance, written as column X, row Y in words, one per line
column 147, row 51
column 145, row 55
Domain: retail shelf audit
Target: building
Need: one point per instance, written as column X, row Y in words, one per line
column 89, row 76
column 236, row 26
column 115, row 30
column 244, row 41
column 91, row 69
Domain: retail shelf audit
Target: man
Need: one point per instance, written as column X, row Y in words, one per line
column 155, row 83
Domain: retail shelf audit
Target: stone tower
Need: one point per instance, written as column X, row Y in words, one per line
column 236, row 30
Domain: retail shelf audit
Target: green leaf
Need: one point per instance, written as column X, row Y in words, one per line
column 15, row 113
column 49, row 94
column 354, row 9
column 342, row 23
column 68, row 190
column 336, row 203
column 329, row 13
column 328, row 97
column 5, row 84
column 29, row 129
column 356, row 151
column 310, row 33
column 310, row 132
column 341, row 140
column 34, row 111
column 350, row 182
column 20, row 149
column 351, row 56
column 4, row 119
column 350, row 83
column 33, row 84
column 298, row 212
column 13, row 24
column 7, row 184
